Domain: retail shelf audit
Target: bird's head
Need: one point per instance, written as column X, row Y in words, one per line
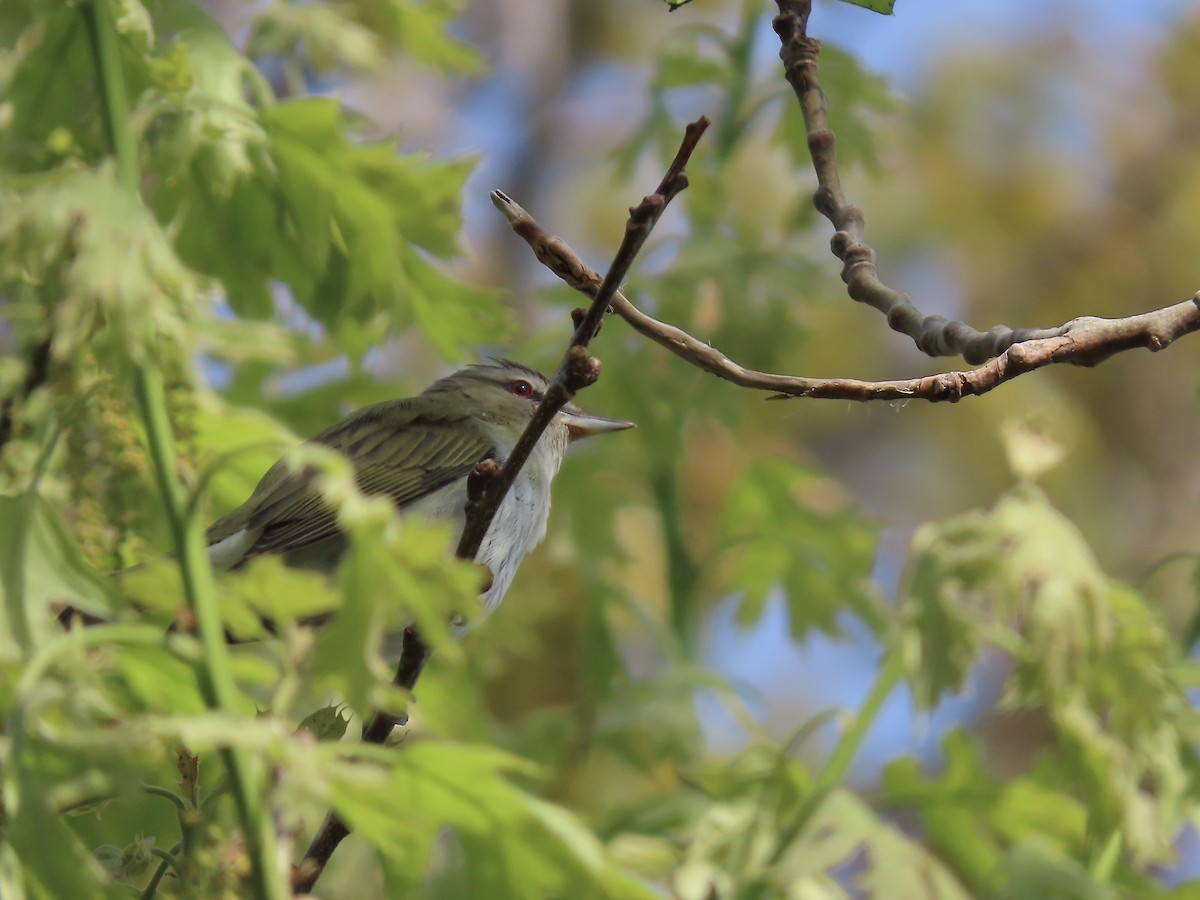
column 507, row 393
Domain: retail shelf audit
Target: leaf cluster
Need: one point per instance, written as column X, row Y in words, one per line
column 575, row 744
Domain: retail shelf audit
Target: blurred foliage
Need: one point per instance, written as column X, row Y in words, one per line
column 283, row 262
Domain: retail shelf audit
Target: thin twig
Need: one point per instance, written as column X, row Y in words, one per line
column 414, row 654
column 1085, row 341
column 489, row 481
column 577, row 369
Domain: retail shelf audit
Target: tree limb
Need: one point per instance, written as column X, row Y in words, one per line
column 933, row 335
column 1006, row 352
column 1085, row 341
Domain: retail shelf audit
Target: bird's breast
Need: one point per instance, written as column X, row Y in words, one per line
column 519, row 525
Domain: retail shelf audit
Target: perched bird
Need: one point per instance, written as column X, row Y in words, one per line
column 419, row 451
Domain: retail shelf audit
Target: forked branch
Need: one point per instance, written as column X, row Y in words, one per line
column 1009, row 352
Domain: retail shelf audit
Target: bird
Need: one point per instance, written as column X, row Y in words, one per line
column 418, row 451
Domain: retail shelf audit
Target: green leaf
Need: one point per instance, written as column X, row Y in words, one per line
column 70, row 871
column 278, row 592
column 194, row 119
column 111, row 278
column 244, row 443
column 49, row 87
column 969, row 817
column 323, row 33
column 1092, row 653
column 453, row 315
column 514, row 844
column 359, row 34
column 956, row 807
column 396, row 572
column 158, row 681
column 880, row 6
column 345, row 225
column 325, row 724
column 784, row 533
column 420, row 30
column 684, row 62
column 52, row 572
column 1021, row 558
column 1036, row 869
column 846, row 831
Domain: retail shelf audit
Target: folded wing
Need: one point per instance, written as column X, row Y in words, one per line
column 400, row 449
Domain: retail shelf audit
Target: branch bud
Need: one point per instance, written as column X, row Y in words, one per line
column 481, row 475
column 581, row 369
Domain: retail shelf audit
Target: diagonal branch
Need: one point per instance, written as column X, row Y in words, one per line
column 577, row 369
column 1085, row 341
column 414, row 654
column 489, row 482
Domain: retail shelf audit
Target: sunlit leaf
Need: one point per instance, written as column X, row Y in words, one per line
column 52, row 571
column 1034, row 869
column 879, row 6
column 124, row 292
column 194, row 117
column 1020, row 576
column 846, row 830
column 784, row 535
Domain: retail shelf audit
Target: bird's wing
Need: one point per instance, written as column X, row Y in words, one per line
column 399, row 449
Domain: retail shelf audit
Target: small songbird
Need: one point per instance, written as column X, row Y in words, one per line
column 419, row 451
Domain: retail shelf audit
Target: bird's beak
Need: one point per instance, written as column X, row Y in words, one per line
column 581, row 424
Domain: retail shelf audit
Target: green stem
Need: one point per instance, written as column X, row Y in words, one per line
column 216, row 675
column 166, row 794
column 731, row 122
column 1107, row 856
column 682, row 572
column 167, row 860
column 834, row 771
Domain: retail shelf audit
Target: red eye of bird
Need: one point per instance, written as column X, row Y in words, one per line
column 521, row 388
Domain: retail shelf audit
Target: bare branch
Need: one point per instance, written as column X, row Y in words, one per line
column 933, row 335
column 413, row 656
column 578, row 369
column 1085, row 341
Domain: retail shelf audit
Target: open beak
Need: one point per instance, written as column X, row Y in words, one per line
column 581, row 425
